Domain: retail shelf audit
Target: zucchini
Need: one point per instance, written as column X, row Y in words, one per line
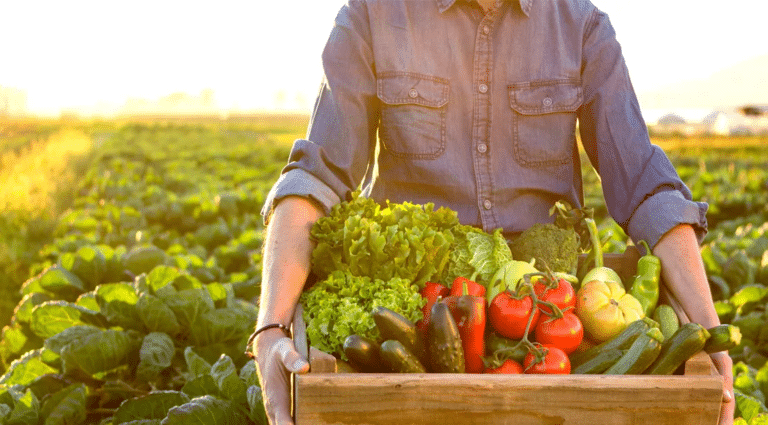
column 600, row 363
column 687, row 341
column 363, row 354
column 393, row 325
column 668, row 321
column 446, row 353
column 399, row 358
column 621, row 341
column 640, row 355
column 722, row 338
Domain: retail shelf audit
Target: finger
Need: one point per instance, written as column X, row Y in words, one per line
column 276, row 393
column 724, row 365
column 292, row 360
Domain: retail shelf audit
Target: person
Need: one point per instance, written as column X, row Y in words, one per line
column 473, row 105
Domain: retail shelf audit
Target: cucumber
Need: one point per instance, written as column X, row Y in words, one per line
column 722, row 338
column 640, row 355
column 444, row 341
column 621, row 341
column 668, row 320
column 363, row 354
column 393, row 325
column 687, row 341
column 399, row 359
column 600, row 363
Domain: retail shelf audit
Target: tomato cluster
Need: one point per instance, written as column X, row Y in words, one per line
column 543, row 310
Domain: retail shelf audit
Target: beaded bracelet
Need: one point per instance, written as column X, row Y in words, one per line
column 262, row 329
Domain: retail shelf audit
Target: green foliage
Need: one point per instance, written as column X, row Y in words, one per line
column 476, row 254
column 164, row 235
column 404, row 241
column 341, row 305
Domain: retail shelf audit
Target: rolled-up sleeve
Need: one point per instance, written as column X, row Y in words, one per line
column 642, row 189
column 340, row 141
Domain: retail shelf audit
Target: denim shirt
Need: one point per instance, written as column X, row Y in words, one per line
column 437, row 101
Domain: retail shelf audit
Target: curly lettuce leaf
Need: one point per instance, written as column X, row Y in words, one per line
column 341, row 305
column 406, row 241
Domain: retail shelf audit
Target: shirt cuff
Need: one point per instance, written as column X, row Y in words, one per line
column 298, row 182
column 663, row 211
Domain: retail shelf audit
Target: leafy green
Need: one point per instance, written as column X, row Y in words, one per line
column 100, row 352
column 26, row 408
column 406, row 241
column 52, row 317
column 151, row 406
column 341, row 305
column 156, row 315
column 155, row 355
column 206, row 410
column 476, row 254
column 230, row 384
column 196, row 365
column 60, row 281
column 747, row 406
column 67, row 406
column 26, row 369
column 117, row 301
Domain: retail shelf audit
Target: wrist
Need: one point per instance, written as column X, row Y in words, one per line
column 272, row 329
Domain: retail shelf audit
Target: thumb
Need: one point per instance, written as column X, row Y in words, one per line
column 292, row 360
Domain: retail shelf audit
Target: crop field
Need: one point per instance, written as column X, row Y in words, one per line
column 130, row 263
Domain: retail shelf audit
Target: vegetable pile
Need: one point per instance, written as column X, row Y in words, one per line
column 502, row 316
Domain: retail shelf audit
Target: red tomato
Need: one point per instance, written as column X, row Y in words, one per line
column 509, row 315
column 561, row 294
column 564, row 333
column 508, row 367
column 555, row 361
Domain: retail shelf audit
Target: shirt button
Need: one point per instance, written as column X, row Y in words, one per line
column 547, row 101
column 483, row 88
column 486, row 29
column 482, row 148
column 487, row 204
column 413, row 94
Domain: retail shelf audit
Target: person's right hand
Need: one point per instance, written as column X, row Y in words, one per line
column 276, row 359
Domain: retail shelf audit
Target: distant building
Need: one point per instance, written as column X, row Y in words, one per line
column 173, row 105
column 13, row 102
column 748, row 120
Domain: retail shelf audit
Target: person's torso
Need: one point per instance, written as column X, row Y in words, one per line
column 479, row 108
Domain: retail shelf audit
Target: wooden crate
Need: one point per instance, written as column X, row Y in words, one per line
column 693, row 397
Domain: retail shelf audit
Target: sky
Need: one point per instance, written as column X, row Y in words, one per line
column 262, row 54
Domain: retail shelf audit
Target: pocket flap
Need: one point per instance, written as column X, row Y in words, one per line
column 543, row 97
column 402, row 88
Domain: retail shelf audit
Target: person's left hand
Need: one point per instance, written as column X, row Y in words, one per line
column 724, row 365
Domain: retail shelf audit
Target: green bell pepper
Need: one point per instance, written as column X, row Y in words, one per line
column 645, row 284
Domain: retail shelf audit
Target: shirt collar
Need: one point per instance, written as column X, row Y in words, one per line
column 525, row 5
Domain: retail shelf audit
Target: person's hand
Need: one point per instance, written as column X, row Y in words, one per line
column 276, row 358
column 724, row 365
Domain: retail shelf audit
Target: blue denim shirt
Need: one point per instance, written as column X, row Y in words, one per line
column 437, row 101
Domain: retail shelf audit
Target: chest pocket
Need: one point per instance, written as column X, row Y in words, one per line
column 412, row 114
column 544, row 121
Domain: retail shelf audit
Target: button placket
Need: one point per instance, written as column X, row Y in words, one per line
column 482, row 74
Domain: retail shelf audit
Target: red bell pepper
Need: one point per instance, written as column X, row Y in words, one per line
column 469, row 313
column 472, row 287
